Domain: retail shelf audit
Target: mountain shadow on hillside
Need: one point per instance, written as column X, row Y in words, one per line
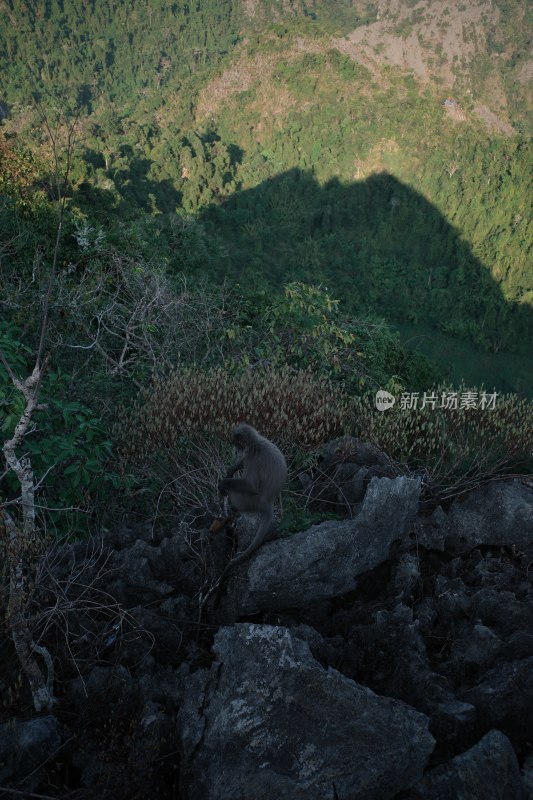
column 378, row 245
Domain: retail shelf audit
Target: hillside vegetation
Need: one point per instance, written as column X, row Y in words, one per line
column 305, row 140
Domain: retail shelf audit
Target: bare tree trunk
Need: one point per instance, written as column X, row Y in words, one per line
column 20, row 532
column 21, row 542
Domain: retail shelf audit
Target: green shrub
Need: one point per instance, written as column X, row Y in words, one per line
column 305, row 328
column 69, row 450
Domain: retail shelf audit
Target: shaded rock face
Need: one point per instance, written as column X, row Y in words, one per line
column 267, row 721
column 340, row 479
column 504, row 698
column 325, row 560
column 489, row 770
column 500, row 513
column 25, row 747
column 457, row 648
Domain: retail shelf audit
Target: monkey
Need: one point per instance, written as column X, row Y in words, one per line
column 263, row 475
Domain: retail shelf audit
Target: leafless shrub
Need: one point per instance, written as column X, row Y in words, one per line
column 189, row 474
column 133, row 318
column 72, row 609
column 457, row 447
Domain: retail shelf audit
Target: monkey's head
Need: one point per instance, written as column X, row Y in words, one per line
column 243, row 436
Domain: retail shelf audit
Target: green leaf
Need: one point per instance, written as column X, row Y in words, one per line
column 71, row 469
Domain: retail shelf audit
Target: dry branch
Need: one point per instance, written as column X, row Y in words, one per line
column 20, row 542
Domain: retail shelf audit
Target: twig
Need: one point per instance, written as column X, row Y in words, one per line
column 26, row 794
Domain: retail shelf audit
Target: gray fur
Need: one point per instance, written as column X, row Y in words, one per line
column 263, row 475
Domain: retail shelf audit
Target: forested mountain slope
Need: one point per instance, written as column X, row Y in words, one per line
column 380, row 147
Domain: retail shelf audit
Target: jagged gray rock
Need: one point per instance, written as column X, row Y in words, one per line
column 489, row 770
column 344, row 470
column 406, row 576
column 504, row 699
column 475, row 651
column 96, row 683
column 24, row 747
column 431, row 532
column 502, row 611
column 268, row 721
column 136, row 567
column 324, row 561
column 500, row 513
column 451, row 720
column 527, row 776
column 396, row 637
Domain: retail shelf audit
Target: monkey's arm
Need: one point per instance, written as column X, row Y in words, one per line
column 235, row 468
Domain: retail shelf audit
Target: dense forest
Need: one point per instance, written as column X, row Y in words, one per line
column 342, row 209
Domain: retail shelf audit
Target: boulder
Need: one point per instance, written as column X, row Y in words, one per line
column 527, row 776
column 452, row 720
column 489, row 770
column 500, row 513
column 266, row 720
column 324, row 561
column 25, row 747
column 502, row 611
column 406, row 578
column 135, row 581
column 504, row 699
column 344, row 470
column 400, row 665
column 431, row 532
column 472, row 653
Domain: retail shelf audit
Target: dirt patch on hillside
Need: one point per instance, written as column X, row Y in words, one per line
column 455, row 113
column 430, row 39
column 493, row 122
column 235, row 79
column 525, row 74
column 240, row 77
column 250, row 7
column 250, row 71
column 272, row 107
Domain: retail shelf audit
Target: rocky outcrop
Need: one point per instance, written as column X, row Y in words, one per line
column 382, row 645
column 268, row 721
column 324, row 561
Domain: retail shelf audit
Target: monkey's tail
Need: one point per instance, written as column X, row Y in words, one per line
column 263, row 529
